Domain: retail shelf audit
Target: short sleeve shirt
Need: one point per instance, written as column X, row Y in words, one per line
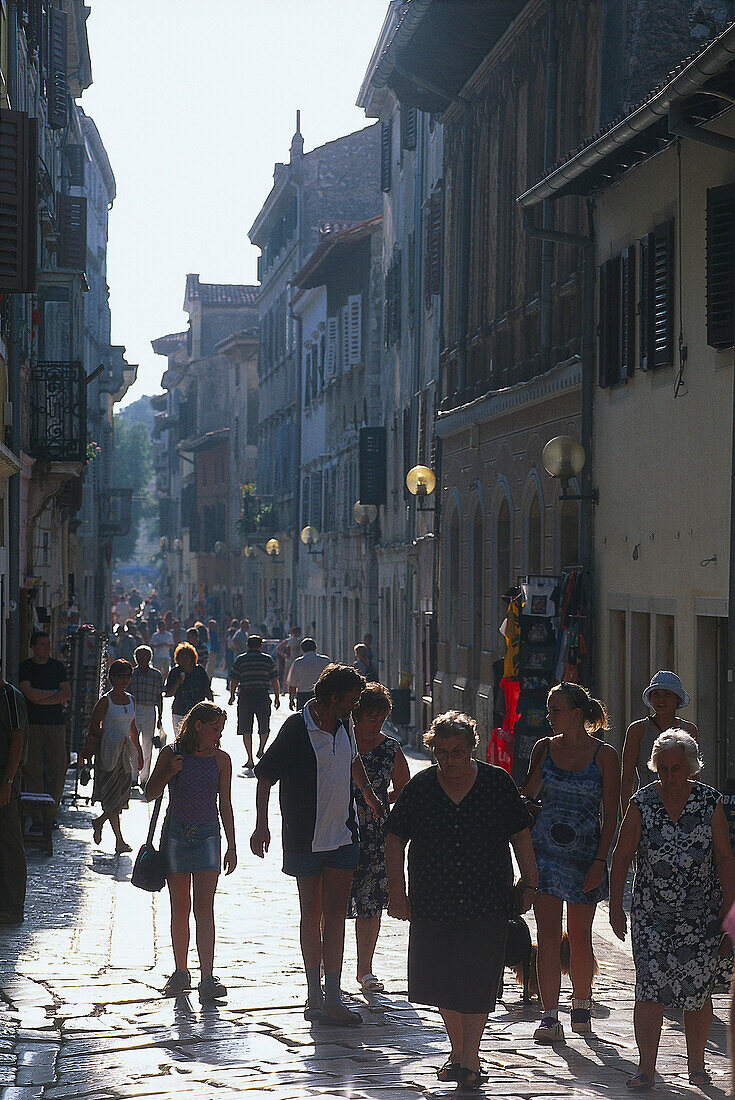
column 46, row 677
column 459, row 865
column 254, row 671
column 146, row 687
column 314, row 769
column 12, row 717
column 306, row 670
column 195, row 688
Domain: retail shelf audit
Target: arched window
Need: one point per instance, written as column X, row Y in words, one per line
column 534, row 535
column 478, row 590
column 453, row 571
column 503, row 555
column 569, row 533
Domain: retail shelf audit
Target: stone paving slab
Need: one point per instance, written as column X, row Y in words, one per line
column 81, row 1015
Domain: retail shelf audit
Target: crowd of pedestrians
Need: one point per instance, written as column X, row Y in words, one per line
column 351, row 813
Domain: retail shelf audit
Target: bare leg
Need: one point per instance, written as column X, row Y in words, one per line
column 310, row 900
column 335, row 896
column 248, row 742
column 472, row 1029
column 205, row 884
column 581, row 962
column 548, row 918
column 647, row 1019
column 114, row 820
column 179, row 888
column 366, row 933
column 453, row 1022
column 697, row 1028
column 97, row 828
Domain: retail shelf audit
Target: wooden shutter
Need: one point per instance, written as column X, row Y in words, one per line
column 73, row 231
column 646, row 303
column 435, row 215
column 332, row 336
column 18, row 182
column 386, row 154
column 609, row 343
column 57, row 85
column 34, row 30
column 407, row 449
column 721, row 266
column 409, row 127
column 75, row 159
column 354, row 312
column 627, row 314
column 663, row 295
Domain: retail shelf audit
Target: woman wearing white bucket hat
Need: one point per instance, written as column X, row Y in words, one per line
column 664, row 696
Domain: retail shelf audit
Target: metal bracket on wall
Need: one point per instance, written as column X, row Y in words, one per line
column 679, row 127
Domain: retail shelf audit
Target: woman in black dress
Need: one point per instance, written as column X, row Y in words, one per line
column 459, row 819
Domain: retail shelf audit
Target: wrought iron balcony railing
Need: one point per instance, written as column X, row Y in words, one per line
column 58, row 412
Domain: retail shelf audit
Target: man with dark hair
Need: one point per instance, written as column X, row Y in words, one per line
column 314, row 758
column 45, row 684
column 12, row 850
column 305, row 671
column 254, row 674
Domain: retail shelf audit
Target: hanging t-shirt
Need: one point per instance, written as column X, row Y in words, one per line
column 511, row 631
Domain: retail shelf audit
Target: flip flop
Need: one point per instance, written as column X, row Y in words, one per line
column 699, row 1078
column 470, row 1079
column 370, row 984
column 639, row 1083
column 450, row 1071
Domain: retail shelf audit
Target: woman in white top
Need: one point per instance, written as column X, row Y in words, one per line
column 114, row 742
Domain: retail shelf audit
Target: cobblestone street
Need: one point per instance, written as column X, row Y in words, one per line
column 82, row 1016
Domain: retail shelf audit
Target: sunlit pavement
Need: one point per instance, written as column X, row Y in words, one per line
column 81, row 1013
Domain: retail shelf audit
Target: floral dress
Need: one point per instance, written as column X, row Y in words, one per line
column 675, row 921
column 369, row 896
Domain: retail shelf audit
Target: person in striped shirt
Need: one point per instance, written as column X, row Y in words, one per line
column 254, row 674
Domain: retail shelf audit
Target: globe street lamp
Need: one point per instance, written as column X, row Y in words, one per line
column 365, row 514
column 163, row 544
column 421, row 482
column 273, row 548
column 310, row 536
column 564, row 458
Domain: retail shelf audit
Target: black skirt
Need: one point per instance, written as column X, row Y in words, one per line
column 456, row 966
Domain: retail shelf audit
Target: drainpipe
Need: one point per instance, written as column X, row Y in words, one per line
column 547, row 253
column 12, row 656
column 293, row 612
column 464, row 255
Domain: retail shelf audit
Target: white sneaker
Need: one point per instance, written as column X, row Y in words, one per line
column 549, row 1031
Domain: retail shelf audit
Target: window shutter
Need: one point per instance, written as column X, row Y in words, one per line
column 435, row 214
column 35, row 23
column 75, row 160
column 73, row 232
column 386, row 154
column 344, row 318
column 627, row 313
column 608, row 333
column 646, row 304
column 354, row 310
column 407, row 449
column 721, row 266
column 57, row 87
column 18, row 181
column 663, row 295
column 332, row 334
column 409, row 127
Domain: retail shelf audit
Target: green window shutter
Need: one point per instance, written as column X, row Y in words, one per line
column 18, row 216
column 386, row 154
column 57, row 89
column 721, row 266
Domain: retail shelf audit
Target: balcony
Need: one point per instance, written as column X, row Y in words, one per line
column 58, row 412
column 115, row 512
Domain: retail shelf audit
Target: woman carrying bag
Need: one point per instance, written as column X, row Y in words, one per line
column 198, row 774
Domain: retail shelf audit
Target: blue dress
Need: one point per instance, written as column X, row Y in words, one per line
column 566, row 835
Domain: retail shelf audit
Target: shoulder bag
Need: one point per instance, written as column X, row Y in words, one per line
column 149, row 870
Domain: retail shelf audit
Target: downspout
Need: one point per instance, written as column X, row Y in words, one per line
column 12, row 656
column 464, row 254
column 587, row 497
column 547, row 218
column 438, row 451
column 293, row 612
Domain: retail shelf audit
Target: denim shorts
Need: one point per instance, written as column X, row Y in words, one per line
column 191, row 848
column 306, row 864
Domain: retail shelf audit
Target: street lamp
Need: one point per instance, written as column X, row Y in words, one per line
column 421, row 482
column 273, row 548
column 163, row 544
column 564, row 458
column 365, row 514
column 310, row 536
column 219, row 548
column 248, row 551
column 178, row 545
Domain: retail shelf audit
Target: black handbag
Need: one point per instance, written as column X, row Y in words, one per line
column 149, row 871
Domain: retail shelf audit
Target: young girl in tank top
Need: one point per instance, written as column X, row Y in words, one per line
column 198, row 775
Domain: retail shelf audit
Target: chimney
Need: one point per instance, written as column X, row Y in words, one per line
column 297, row 141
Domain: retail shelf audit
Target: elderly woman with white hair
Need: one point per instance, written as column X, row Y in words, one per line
column 684, row 883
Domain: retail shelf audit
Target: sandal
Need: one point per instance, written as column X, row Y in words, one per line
column 471, row 1080
column 639, row 1083
column 450, row 1071
column 699, row 1077
column 97, row 831
column 370, row 984
column 340, row 1016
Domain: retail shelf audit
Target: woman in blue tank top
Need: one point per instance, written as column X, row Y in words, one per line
column 198, row 775
column 578, row 780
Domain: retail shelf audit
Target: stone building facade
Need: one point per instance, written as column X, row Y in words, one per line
column 338, row 183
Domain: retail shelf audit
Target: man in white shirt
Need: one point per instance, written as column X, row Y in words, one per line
column 162, row 643
column 304, row 673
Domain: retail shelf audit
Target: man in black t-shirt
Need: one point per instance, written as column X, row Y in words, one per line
column 45, row 684
column 12, row 850
column 254, row 673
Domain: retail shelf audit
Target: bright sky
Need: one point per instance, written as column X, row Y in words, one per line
column 195, row 101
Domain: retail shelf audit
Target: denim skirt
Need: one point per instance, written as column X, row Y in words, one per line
column 191, row 848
